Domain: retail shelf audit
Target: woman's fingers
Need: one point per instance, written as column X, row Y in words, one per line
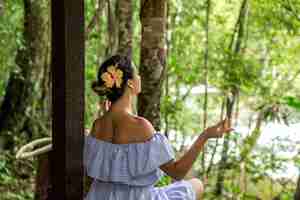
column 220, row 128
column 228, row 130
column 224, row 123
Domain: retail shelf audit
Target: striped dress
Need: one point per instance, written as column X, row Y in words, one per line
column 130, row 171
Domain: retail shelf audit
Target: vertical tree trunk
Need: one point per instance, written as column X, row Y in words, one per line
column 235, row 47
column 17, row 107
column 169, row 23
column 43, row 179
column 124, row 10
column 206, row 54
column 297, row 193
column 153, row 56
column 224, row 156
column 112, row 35
column 216, row 141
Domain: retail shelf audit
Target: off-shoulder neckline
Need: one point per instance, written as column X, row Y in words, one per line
column 124, row 144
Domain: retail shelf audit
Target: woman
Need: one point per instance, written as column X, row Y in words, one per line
column 125, row 155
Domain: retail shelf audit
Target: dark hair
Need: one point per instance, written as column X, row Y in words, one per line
column 113, row 94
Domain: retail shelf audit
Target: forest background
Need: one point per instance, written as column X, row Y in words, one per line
column 199, row 62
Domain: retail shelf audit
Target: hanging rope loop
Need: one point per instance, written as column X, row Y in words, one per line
column 27, row 151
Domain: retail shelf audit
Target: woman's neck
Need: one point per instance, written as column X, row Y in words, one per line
column 124, row 104
column 121, row 110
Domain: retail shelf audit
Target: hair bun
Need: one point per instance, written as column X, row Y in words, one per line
column 111, row 81
column 100, row 89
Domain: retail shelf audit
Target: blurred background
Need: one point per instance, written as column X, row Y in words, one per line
column 199, row 61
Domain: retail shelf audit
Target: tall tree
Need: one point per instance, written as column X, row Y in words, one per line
column 18, row 109
column 206, row 54
column 112, row 28
column 124, row 14
column 235, row 47
column 168, row 43
column 153, row 59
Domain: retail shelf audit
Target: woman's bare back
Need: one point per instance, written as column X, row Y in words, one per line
column 122, row 128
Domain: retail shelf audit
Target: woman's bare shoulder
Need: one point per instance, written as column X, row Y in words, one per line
column 146, row 129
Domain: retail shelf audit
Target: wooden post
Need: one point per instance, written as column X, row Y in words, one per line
column 68, row 99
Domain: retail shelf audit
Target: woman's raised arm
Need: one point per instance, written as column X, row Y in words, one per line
column 179, row 168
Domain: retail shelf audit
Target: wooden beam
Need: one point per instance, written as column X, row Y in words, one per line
column 68, row 99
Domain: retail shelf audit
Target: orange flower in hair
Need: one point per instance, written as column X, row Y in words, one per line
column 112, row 77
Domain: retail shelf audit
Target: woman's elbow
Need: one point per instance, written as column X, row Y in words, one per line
column 175, row 170
column 179, row 174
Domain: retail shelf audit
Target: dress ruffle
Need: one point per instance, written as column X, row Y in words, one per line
column 132, row 164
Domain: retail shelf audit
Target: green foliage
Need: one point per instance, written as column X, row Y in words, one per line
column 265, row 71
column 292, row 102
column 15, row 176
column 164, row 181
column 10, row 38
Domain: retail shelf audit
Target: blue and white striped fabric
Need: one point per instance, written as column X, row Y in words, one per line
column 130, row 171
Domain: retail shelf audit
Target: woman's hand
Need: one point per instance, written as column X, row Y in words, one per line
column 219, row 129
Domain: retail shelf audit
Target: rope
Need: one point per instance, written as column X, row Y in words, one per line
column 23, row 152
